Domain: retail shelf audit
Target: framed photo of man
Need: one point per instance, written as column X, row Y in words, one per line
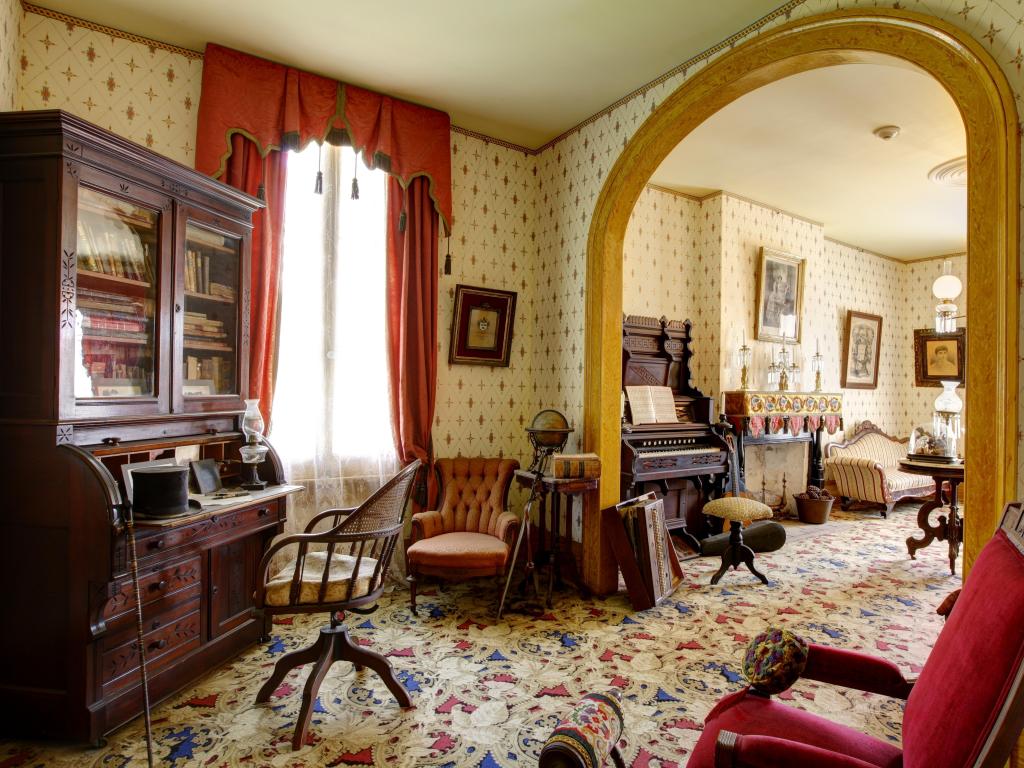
column 861, row 350
column 780, row 295
column 939, row 357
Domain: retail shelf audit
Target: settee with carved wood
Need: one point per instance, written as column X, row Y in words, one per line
column 866, row 469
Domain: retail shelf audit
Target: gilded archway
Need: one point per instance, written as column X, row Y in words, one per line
column 986, row 104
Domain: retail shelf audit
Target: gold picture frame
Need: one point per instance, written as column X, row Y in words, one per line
column 780, row 296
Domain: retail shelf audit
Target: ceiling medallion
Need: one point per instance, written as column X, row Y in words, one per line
column 952, row 173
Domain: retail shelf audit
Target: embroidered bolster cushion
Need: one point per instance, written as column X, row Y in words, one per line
column 587, row 735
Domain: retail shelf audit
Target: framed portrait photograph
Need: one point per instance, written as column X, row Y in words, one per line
column 861, row 349
column 780, row 295
column 482, row 323
column 939, row 357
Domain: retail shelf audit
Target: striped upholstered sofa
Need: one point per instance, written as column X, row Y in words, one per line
column 867, row 469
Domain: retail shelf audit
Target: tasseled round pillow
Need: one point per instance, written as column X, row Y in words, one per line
column 775, row 660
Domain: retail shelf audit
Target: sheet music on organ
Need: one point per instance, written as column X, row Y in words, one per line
column 652, row 405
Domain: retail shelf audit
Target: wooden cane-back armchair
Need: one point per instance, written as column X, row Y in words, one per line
column 343, row 568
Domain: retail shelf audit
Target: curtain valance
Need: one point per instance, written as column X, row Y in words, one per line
column 278, row 107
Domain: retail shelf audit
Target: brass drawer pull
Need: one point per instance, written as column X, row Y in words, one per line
column 263, row 512
column 159, row 645
column 158, row 544
column 159, row 586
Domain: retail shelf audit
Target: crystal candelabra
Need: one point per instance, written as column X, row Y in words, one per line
column 817, row 360
column 743, row 360
column 786, row 367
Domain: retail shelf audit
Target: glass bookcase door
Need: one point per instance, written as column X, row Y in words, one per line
column 116, row 301
column 210, row 333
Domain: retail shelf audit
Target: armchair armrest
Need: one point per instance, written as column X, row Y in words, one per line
column 508, row 528
column 859, row 477
column 426, row 525
column 733, row 751
column 335, row 513
column 859, row 671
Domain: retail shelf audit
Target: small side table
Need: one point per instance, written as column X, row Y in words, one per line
column 554, row 488
column 951, row 529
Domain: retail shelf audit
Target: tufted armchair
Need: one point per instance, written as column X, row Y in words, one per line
column 471, row 535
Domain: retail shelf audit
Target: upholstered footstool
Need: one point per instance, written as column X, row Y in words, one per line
column 737, row 509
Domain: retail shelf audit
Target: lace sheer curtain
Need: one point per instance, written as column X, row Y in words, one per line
column 331, row 416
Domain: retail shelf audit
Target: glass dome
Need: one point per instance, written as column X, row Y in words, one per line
column 940, row 440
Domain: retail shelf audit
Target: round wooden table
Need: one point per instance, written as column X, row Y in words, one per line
column 947, row 529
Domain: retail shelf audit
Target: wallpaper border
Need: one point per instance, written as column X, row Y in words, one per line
column 111, row 31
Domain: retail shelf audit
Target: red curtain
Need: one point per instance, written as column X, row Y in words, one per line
column 250, row 111
column 246, row 170
column 413, row 230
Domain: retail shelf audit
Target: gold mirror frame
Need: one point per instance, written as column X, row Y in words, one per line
column 985, row 100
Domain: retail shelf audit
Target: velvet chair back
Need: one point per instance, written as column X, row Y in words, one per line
column 475, row 492
column 962, row 694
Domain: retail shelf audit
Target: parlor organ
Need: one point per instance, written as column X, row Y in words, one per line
column 685, row 462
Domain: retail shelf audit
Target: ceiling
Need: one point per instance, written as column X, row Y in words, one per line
column 523, row 71
column 805, row 145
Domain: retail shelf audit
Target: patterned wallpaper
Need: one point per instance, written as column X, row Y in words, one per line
column 10, row 46
column 483, row 409
column 146, row 93
column 149, row 93
column 573, row 170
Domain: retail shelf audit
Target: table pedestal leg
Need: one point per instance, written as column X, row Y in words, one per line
column 949, row 530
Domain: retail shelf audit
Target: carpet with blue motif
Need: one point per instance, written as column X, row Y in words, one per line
column 487, row 692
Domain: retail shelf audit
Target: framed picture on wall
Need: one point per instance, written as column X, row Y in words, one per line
column 939, row 357
column 861, row 349
column 780, row 295
column 482, row 324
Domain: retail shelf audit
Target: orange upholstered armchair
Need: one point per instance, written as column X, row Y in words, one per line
column 472, row 534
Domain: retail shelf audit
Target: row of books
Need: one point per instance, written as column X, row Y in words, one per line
column 199, row 327
column 216, row 370
column 114, row 315
column 198, row 280
column 112, row 250
column 114, row 362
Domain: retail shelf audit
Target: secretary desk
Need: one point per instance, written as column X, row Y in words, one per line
column 124, row 333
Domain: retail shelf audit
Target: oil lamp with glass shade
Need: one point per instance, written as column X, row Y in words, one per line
column 946, row 288
column 252, row 451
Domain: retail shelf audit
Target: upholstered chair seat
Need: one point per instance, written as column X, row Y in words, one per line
column 737, row 508
column 471, row 534
column 278, row 588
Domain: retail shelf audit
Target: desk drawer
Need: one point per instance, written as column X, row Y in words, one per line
column 167, row 636
column 155, row 583
column 227, row 525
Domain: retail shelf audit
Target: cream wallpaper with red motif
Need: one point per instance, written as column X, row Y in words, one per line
column 10, row 47
column 129, row 87
column 574, row 169
column 148, row 94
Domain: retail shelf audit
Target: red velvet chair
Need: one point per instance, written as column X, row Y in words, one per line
column 966, row 710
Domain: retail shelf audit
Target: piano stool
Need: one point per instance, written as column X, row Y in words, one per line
column 737, row 509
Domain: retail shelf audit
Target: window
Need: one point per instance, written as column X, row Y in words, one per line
column 331, row 416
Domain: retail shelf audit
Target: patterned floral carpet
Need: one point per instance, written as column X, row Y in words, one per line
column 487, row 693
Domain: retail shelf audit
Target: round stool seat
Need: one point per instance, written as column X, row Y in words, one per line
column 737, row 508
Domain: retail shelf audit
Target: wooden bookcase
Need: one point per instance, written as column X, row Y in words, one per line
column 124, row 318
